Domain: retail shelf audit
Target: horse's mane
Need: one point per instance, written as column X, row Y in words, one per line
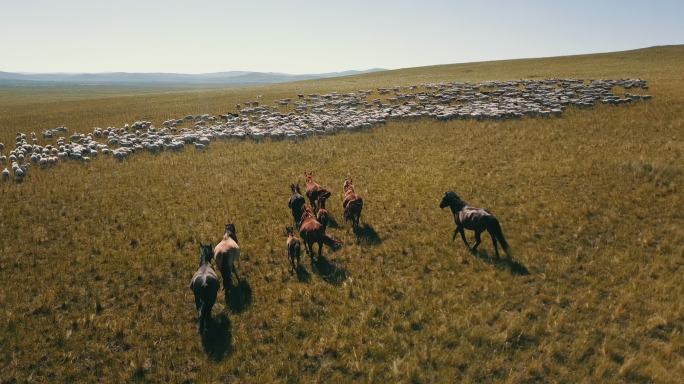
column 230, row 234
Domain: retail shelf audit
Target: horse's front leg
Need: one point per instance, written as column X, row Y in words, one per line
column 463, row 236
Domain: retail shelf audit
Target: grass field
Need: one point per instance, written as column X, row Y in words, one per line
column 96, row 260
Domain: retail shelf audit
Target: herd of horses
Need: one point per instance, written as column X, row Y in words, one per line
column 311, row 220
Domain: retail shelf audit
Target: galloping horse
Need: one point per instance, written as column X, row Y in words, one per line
column 314, row 190
column 296, row 203
column 294, row 248
column 352, row 203
column 474, row 219
column 312, row 232
column 204, row 285
column 322, row 216
column 227, row 252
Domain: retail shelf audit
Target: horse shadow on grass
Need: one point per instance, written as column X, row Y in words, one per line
column 303, row 276
column 367, row 235
column 217, row 339
column 332, row 223
column 515, row 267
column 329, row 271
column 238, row 297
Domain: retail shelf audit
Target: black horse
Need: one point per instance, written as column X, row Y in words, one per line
column 474, row 219
column 296, row 203
column 205, row 285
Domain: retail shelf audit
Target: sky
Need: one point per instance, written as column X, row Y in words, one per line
column 317, row 36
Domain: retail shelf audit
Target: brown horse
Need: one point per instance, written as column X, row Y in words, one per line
column 294, row 248
column 474, row 219
column 352, row 203
column 227, row 253
column 314, row 190
column 322, row 216
column 312, row 232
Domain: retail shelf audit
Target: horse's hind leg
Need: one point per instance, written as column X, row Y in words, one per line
column 200, row 315
column 198, row 303
column 235, row 272
column 478, row 240
column 292, row 263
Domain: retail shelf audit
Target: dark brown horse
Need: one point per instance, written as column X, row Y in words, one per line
column 352, row 203
column 296, row 203
column 314, row 190
column 312, row 232
column 294, row 249
column 204, row 285
column 322, row 216
column 474, row 219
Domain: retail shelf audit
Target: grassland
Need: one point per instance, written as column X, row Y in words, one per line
column 95, row 260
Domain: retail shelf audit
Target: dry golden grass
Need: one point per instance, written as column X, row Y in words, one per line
column 95, row 260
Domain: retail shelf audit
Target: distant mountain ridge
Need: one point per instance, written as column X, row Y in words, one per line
column 131, row 78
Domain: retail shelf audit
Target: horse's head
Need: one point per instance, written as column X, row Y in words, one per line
column 348, row 183
column 231, row 231
column 308, row 176
column 206, row 253
column 307, row 212
column 449, row 199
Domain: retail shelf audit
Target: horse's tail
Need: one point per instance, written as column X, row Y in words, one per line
column 498, row 233
column 331, row 242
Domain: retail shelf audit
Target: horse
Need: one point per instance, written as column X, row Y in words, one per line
column 294, row 248
column 312, row 232
column 227, row 252
column 296, row 203
column 352, row 203
column 314, row 190
column 322, row 216
column 205, row 285
column 474, row 219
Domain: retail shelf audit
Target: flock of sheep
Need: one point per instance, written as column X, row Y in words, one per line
column 320, row 114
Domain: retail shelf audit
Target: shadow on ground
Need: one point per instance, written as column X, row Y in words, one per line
column 329, row 271
column 302, row 274
column 217, row 339
column 238, row 297
column 367, row 235
column 511, row 265
column 332, row 223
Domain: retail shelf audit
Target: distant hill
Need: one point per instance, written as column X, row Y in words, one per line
column 125, row 78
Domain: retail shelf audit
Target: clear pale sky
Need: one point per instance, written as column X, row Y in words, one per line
column 317, row 36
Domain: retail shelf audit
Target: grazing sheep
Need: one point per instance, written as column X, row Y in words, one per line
column 315, row 114
column 5, row 174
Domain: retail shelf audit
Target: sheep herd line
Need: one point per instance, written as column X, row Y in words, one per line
column 314, row 113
